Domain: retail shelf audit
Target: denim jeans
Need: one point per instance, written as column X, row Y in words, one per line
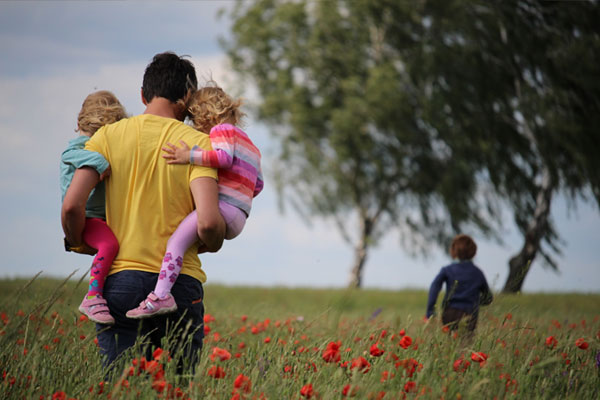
column 185, row 327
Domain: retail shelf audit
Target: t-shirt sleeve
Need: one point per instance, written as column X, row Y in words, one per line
column 97, row 143
column 79, row 158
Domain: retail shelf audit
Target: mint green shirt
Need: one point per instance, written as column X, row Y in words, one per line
column 75, row 157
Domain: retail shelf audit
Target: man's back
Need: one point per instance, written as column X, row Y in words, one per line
column 146, row 198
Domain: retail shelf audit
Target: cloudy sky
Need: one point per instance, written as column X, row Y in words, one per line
column 56, row 53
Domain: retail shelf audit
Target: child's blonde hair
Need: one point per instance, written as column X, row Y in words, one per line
column 210, row 106
column 99, row 109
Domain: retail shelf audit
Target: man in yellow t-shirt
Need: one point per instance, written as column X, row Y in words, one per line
column 146, row 198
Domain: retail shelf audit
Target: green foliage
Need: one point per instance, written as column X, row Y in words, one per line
column 277, row 337
column 426, row 117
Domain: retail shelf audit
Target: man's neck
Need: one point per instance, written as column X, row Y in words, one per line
column 161, row 107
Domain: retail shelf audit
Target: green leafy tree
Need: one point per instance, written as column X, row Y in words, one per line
column 425, row 118
column 337, row 91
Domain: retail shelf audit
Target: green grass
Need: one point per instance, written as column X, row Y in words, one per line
column 47, row 350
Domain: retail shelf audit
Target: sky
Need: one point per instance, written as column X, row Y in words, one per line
column 55, row 53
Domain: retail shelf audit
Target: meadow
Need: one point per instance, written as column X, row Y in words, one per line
column 281, row 343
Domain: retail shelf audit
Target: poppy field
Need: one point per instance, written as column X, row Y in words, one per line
column 280, row 343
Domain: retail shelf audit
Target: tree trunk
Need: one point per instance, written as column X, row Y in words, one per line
column 520, row 263
column 360, row 254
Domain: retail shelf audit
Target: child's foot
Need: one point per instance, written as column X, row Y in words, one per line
column 153, row 305
column 96, row 310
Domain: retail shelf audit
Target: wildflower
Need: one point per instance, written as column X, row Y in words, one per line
column 267, row 339
column 219, row 353
column 410, row 386
column 159, row 385
column 83, row 318
column 598, row 360
column 405, row 342
column 375, row 350
column 332, row 352
column 479, row 357
column 385, row 375
column 243, row 383
column 349, row 391
column 461, row 365
column 581, row 343
column 402, row 332
column 208, row 318
column 307, row 391
column 59, row 395
column 551, row 342
column 216, row 372
column 361, row 364
column 244, row 318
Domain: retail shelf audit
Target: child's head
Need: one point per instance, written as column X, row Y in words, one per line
column 99, row 109
column 211, row 106
column 463, row 247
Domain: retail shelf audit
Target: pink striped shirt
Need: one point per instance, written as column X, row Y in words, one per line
column 238, row 162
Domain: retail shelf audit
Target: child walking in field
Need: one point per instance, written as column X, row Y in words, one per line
column 466, row 286
column 240, row 180
column 98, row 109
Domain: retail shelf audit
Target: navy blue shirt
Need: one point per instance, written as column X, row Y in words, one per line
column 466, row 288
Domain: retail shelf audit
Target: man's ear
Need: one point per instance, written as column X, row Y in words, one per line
column 143, row 98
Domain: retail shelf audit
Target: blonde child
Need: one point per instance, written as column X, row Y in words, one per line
column 98, row 109
column 240, row 180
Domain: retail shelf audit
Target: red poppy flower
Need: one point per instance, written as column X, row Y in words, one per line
column 243, row 382
column 208, row 318
column 332, row 352
column 59, row 395
column 405, row 342
column 376, row 351
column 551, row 341
column 402, row 332
column 349, row 391
column 581, row 343
column 479, row 357
column 410, row 386
column 461, row 365
column 307, row 391
column 361, row 364
column 216, row 372
column 219, row 353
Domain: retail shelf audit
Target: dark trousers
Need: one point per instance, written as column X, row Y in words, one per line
column 184, row 328
column 453, row 316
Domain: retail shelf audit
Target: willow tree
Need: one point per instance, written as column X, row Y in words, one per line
column 520, row 80
column 336, row 84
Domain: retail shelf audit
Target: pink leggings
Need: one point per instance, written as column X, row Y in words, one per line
column 185, row 235
column 98, row 235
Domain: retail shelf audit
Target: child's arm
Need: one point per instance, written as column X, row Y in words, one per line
column 434, row 290
column 260, row 184
column 486, row 296
column 84, row 158
column 221, row 157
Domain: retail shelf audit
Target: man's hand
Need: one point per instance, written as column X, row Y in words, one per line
column 81, row 249
column 177, row 155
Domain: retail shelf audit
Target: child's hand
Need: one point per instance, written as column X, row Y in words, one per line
column 177, row 155
column 105, row 174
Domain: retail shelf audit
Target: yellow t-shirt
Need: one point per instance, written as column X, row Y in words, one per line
column 146, row 198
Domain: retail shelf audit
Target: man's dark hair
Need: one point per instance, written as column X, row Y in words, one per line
column 168, row 76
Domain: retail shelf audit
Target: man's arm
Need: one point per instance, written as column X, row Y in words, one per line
column 211, row 227
column 73, row 207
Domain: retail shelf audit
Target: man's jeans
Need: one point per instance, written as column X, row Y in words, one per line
column 184, row 327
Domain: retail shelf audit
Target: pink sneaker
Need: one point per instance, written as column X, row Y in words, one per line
column 153, row 305
column 96, row 310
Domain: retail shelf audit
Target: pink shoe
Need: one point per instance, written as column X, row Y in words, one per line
column 153, row 305
column 96, row 310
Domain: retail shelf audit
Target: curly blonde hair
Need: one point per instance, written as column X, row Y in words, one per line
column 99, row 109
column 211, row 106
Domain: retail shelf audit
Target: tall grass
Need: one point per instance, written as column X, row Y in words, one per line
column 271, row 343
